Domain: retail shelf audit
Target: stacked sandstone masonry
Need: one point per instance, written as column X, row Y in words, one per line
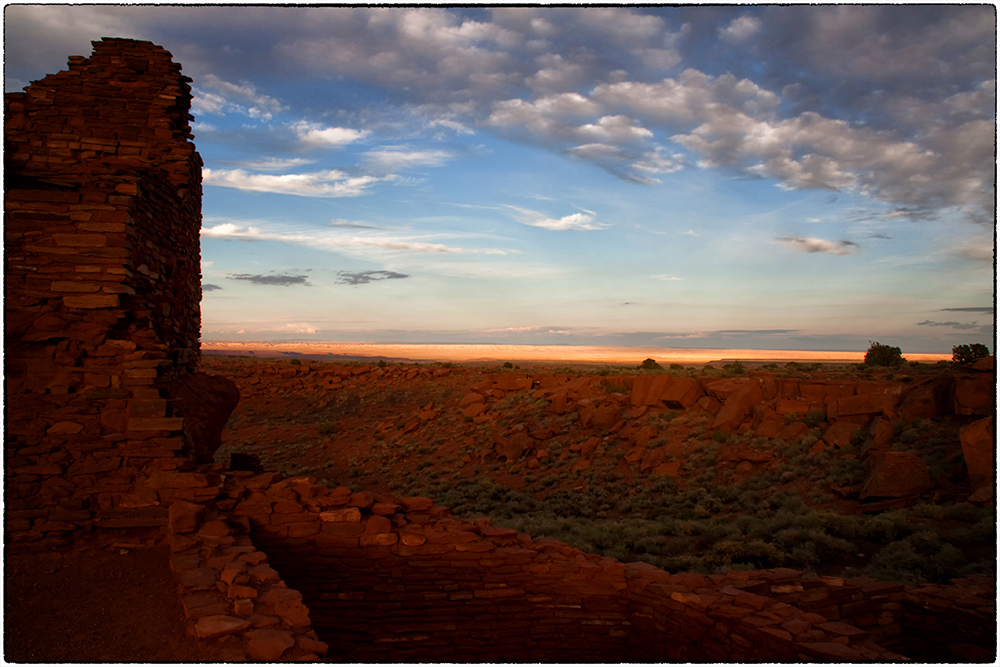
column 102, row 291
column 109, row 429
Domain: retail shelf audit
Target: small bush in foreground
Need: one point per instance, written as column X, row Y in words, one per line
column 964, row 354
column 650, row 365
column 883, row 355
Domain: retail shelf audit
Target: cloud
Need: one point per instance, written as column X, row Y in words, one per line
column 314, row 135
column 976, row 250
column 740, row 29
column 298, row 327
column 348, row 224
column 282, row 280
column 578, row 221
column 894, row 103
column 663, row 276
column 807, row 244
column 389, row 160
column 274, row 163
column 365, row 277
column 959, row 326
column 982, row 309
column 209, row 287
column 221, row 102
column 330, row 183
column 333, row 240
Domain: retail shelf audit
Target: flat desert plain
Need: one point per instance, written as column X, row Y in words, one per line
column 585, row 354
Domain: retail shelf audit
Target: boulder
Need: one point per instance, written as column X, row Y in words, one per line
column 606, row 416
column 682, row 393
column 514, row 447
column 793, row 432
column 896, row 474
column 721, row 390
column 975, row 394
column 840, row 434
column 205, row 402
column 268, row 645
column 978, row 449
column 864, row 404
column 709, row 404
column 738, row 405
column 927, row 400
column 513, row 382
column 981, row 364
column 880, row 435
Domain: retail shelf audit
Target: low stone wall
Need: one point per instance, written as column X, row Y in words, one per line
column 390, row 579
column 236, row 603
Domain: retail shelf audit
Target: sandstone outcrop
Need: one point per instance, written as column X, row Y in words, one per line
column 895, row 475
column 979, row 449
column 205, row 403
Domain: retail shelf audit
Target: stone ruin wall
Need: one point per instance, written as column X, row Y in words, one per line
column 109, row 430
column 102, row 290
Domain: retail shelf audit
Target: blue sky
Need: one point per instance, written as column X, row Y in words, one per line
column 759, row 177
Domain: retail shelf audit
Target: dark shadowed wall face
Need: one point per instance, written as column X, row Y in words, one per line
column 102, row 291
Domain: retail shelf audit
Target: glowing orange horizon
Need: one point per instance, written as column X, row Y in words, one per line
column 547, row 353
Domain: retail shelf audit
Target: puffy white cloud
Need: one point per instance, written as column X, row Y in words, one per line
column 740, row 29
column 314, row 135
column 329, row 183
column 614, row 129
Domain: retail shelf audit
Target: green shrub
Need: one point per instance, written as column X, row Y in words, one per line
column 735, row 368
column 676, row 367
column 883, row 355
column 964, row 354
column 295, row 362
column 507, row 364
column 650, row 365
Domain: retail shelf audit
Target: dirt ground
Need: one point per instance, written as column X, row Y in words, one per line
column 96, row 606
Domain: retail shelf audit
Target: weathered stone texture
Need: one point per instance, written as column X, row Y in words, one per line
column 102, row 292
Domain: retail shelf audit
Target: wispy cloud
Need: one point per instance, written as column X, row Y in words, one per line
column 281, row 280
column 226, row 97
column 663, row 276
column 209, row 287
column 349, row 224
column 330, row 183
column 273, row 163
column 365, row 277
column 958, row 326
column 331, row 239
column 808, row 244
column 978, row 251
column 390, row 160
column 577, row 221
column 978, row 309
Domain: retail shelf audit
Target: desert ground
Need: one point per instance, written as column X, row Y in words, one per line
column 567, row 451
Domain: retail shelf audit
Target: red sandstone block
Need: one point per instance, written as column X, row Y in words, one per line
column 498, row 593
column 347, row 515
column 156, row 424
